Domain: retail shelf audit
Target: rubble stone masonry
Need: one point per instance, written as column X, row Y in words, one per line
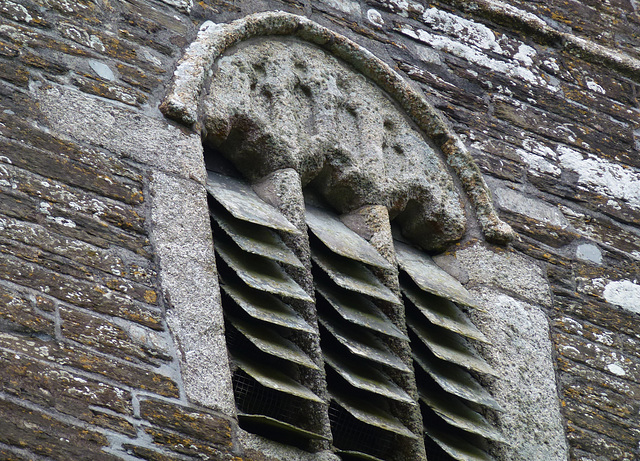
column 93, row 355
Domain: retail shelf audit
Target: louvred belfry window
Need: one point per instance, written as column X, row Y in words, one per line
column 451, row 399
column 267, row 336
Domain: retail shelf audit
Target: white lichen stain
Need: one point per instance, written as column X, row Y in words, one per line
column 552, row 64
column 375, row 17
column 616, row 369
column 525, row 54
column 62, row 221
column 623, row 293
column 593, row 86
column 613, row 204
column 571, row 350
column 603, row 177
column 82, row 37
column 20, row 12
column 44, row 208
column 472, row 54
column 402, row 6
column 539, row 157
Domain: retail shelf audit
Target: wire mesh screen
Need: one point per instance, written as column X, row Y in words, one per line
column 255, row 399
column 351, row 434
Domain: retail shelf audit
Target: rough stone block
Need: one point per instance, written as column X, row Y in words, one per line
column 598, row 399
column 609, row 360
column 184, row 445
column 622, row 430
column 506, row 270
column 149, row 454
column 115, row 261
column 603, row 230
column 47, row 436
column 110, row 91
column 62, row 266
column 182, row 230
column 55, row 388
column 521, row 353
column 138, row 78
column 90, row 295
column 207, row 427
column 125, row 132
column 575, row 370
column 50, row 164
column 22, row 13
column 589, row 446
column 123, row 339
column 80, row 358
column 75, row 224
column 14, row 73
column 535, row 218
column 23, row 312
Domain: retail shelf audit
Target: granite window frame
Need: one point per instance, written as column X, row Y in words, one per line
column 207, row 382
column 443, row 372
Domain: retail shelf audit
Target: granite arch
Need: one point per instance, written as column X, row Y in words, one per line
column 426, row 199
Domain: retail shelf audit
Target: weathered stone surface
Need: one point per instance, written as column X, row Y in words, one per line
column 62, row 266
column 46, row 436
column 182, row 235
column 521, row 353
column 113, row 422
column 16, row 74
column 598, row 313
column 149, row 454
column 623, row 430
column 110, row 90
column 606, row 359
column 356, row 151
column 66, row 221
column 21, row 13
column 51, row 66
column 598, row 398
column 535, row 218
column 207, row 427
column 587, row 443
column 136, row 77
column 90, row 295
column 123, row 339
column 13, row 455
column 126, row 180
column 458, row 94
column 506, row 270
column 115, row 261
column 125, row 132
column 571, row 370
column 21, row 311
column 83, row 359
column 67, row 170
column 56, row 388
column 604, row 230
column 185, row 445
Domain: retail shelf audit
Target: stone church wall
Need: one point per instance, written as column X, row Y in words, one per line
column 107, row 342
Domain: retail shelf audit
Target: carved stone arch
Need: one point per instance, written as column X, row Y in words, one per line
column 306, row 98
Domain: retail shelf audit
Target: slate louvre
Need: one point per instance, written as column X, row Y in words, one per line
column 354, row 333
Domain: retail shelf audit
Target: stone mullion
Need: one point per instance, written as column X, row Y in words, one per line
column 372, row 223
column 283, row 190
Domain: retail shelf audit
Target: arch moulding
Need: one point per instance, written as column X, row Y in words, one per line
column 221, row 58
